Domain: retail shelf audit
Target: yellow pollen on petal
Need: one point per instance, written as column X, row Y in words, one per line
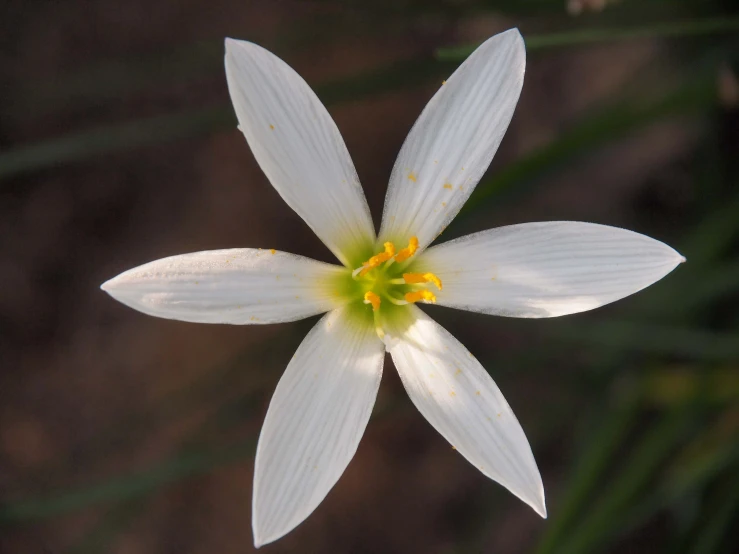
column 418, row 295
column 417, row 278
column 371, row 298
column 448, row 186
column 408, row 251
column 412, row 176
column 378, row 259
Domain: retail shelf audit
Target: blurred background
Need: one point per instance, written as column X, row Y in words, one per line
column 123, row 433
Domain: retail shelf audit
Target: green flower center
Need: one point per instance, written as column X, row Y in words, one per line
column 381, row 283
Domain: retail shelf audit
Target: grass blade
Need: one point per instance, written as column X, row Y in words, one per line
column 593, row 462
column 603, row 519
column 579, row 37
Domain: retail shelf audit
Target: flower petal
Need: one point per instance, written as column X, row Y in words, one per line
column 299, row 148
column 240, row 286
column 458, row 397
column 315, row 421
column 546, row 269
column 453, row 141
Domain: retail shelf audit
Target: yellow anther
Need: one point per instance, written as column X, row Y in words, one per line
column 408, row 251
column 417, row 296
column 378, row 259
column 420, row 278
column 371, row 298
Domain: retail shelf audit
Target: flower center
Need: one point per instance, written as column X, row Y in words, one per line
column 382, row 281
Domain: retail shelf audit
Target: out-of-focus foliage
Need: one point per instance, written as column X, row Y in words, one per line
column 642, row 451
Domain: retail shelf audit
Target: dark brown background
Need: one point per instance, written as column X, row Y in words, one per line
column 124, row 433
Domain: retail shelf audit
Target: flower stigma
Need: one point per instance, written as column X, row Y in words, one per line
column 379, row 280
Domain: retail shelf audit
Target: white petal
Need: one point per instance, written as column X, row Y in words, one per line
column 299, row 148
column 240, row 286
column 453, row 141
column 315, row 421
column 546, row 269
column 458, row 397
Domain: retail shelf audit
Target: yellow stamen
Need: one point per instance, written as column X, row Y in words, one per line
column 419, row 278
column 378, row 259
column 408, row 251
column 371, row 298
column 417, row 296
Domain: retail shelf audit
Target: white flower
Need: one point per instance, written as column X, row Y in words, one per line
column 323, row 401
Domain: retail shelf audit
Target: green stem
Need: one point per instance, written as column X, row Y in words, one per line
column 596, row 130
column 673, row 29
column 126, row 487
column 698, row 475
column 710, row 535
column 603, row 518
column 695, row 343
column 86, row 144
column 593, row 463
